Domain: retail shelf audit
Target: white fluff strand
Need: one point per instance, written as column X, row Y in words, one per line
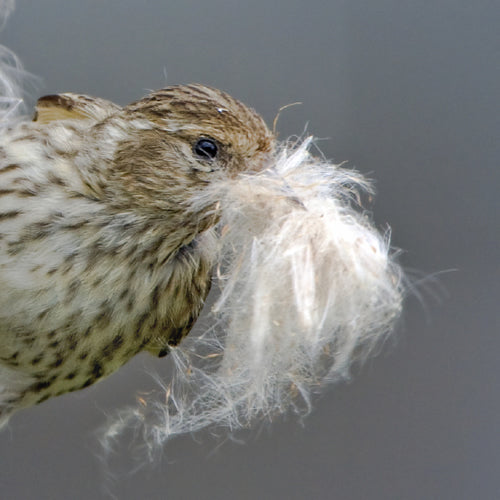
column 13, row 78
column 307, row 287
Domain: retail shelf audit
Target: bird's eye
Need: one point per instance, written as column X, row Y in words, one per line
column 206, row 149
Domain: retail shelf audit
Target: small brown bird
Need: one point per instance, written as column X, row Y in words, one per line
column 102, row 253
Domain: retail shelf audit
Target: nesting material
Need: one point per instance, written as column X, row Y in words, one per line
column 307, row 287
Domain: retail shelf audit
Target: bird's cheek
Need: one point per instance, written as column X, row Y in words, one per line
column 205, row 166
column 209, row 218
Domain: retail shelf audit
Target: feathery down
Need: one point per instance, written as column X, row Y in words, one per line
column 307, row 287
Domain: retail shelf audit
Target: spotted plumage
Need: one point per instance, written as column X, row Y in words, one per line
column 102, row 254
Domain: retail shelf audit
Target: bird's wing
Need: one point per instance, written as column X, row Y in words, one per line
column 69, row 106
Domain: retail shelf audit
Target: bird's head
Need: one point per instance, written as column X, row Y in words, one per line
column 182, row 138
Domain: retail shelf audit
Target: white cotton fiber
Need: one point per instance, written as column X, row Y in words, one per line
column 307, row 287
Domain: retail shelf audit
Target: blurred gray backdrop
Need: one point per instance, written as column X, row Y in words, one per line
column 405, row 91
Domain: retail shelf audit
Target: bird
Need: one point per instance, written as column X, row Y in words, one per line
column 103, row 253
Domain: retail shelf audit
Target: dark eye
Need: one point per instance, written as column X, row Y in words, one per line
column 206, row 149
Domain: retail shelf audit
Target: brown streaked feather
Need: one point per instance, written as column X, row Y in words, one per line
column 69, row 106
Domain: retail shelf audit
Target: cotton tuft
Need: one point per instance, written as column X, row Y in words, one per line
column 15, row 81
column 308, row 286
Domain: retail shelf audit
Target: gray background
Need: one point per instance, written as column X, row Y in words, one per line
column 406, row 91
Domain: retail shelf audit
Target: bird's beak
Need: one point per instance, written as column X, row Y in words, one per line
column 288, row 191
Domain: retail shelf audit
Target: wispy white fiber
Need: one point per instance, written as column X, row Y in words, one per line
column 307, row 287
column 6, row 9
column 14, row 80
